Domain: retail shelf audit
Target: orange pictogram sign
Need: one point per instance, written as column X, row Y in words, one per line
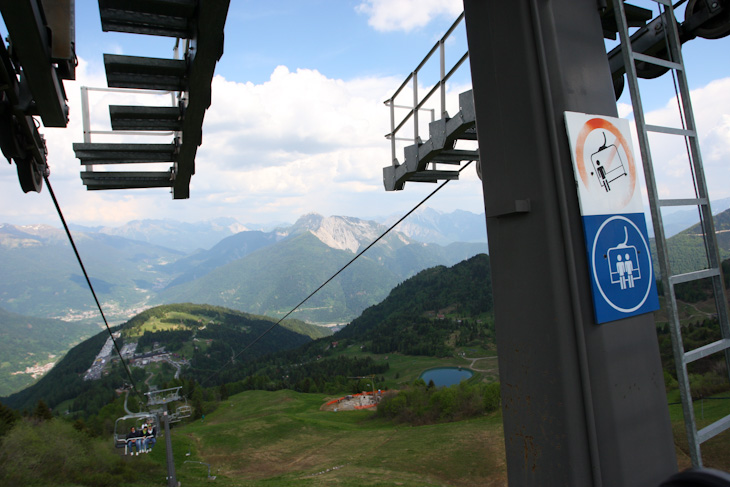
column 604, row 163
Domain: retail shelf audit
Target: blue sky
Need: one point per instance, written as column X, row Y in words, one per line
column 297, row 121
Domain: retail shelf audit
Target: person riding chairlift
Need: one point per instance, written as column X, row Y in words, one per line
column 148, row 433
column 134, row 440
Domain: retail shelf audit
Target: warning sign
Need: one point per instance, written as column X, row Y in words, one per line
column 614, row 225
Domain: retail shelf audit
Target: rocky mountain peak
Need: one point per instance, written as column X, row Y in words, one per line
column 340, row 232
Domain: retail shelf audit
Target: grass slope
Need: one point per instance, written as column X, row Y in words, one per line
column 282, row 438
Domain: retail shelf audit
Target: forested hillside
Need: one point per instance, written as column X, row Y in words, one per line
column 413, row 318
column 433, row 314
column 687, row 250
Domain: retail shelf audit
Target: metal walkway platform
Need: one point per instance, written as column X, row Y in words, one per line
column 170, row 18
column 438, row 149
column 198, row 26
column 145, row 118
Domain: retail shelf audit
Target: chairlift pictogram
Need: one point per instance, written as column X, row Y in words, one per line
column 603, row 159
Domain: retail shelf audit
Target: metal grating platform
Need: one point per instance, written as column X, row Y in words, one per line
column 438, row 149
column 145, row 118
column 91, row 154
column 145, row 73
column 169, row 18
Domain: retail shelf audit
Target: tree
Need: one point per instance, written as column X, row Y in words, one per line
column 8, row 416
column 42, row 412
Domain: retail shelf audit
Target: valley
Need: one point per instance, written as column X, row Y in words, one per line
column 257, row 390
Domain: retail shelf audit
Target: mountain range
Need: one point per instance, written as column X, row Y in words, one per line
column 425, row 225
column 265, row 272
column 270, row 273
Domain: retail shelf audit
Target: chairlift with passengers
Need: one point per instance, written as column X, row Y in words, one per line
column 124, row 424
column 136, row 420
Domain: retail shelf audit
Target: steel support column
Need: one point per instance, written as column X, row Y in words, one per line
column 583, row 404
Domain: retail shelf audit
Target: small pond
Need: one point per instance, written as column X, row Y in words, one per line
column 446, row 376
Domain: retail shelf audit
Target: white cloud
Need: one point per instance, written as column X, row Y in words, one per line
column 291, row 116
column 303, row 142
column 711, row 106
column 407, row 15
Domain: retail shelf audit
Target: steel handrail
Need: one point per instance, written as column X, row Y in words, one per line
column 418, row 104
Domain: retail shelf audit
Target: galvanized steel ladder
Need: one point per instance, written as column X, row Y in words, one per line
column 701, row 201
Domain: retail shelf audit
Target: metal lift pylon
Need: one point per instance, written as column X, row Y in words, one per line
column 583, row 404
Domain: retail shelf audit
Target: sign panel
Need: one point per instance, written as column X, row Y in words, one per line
column 619, row 256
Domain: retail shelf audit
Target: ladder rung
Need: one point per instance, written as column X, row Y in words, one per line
column 131, row 24
column 714, row 429
column 694, row 276
column 683, row 202
column 657, row 61
column 707, row 350
column 182, row 8
column 671, row 130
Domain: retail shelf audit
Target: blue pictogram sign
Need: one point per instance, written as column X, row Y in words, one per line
column 622, row 274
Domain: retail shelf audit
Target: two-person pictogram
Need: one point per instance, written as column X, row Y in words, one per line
column 623, row 263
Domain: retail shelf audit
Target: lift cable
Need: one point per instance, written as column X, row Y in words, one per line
column 88, row 281
column 333, row 276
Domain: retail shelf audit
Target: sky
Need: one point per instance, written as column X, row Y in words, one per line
column 297, row 122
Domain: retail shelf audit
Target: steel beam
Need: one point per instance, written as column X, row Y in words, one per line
column 207, row 50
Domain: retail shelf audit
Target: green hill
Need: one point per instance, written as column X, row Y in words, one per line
column 427, row 320
column 283, row 438
column 29, row 345
column 687, row 250
column 205, row 337
column 430, row 313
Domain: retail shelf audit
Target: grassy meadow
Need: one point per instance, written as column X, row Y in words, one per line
column 283, row 438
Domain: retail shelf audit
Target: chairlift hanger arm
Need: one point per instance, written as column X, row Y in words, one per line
column 703, row 18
